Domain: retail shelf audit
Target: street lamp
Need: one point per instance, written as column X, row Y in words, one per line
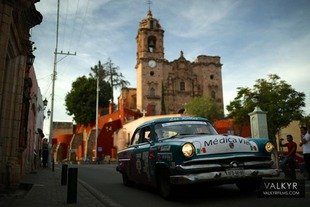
column 30, row 59
column 45, row 103
column 48, row 113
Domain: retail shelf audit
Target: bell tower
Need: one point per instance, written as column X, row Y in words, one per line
column 150, row 60
column 150, row 39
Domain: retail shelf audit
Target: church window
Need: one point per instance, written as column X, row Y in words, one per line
column 182, row 86
column 151, row 24
column 152, row 92
column 151, row 43
column 213, row 94
column 152, row 73
column 211, row 77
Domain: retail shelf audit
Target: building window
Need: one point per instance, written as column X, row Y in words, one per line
column 213, row 94
column 152, row 92
column 211, row 77
column 182, row 86
column 151, row 43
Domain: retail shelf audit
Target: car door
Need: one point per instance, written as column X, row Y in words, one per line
column 140, row 155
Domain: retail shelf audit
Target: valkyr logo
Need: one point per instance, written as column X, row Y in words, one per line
column 274, row 188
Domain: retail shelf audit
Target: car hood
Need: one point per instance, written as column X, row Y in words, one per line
column 216, row 144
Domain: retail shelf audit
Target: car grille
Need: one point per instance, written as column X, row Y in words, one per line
column 211, row 164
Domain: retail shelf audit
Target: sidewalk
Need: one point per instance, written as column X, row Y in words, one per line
column 47, row 191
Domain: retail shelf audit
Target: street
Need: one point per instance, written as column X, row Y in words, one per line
column 107, row 183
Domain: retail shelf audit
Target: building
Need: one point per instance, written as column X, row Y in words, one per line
column 16, row 99
column 164, row 87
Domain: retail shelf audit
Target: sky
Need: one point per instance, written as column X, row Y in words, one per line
column 254, row 38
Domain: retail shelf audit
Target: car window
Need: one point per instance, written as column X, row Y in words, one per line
column 136, row 137
column 146, row 134
column 183, row 128
column 141, row 136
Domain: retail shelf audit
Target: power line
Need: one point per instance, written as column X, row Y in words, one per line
column 83, row 22
column 74, row 23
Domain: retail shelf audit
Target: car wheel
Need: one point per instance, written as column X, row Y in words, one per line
column 126, row 180
column 164, row 186
column 249, row 185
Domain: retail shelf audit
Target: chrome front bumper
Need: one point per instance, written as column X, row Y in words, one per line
column 222, row 176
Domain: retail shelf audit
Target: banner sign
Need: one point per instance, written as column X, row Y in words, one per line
column 281, row 188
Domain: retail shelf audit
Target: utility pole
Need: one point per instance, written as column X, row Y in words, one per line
column 54, row 79
column 97, row 105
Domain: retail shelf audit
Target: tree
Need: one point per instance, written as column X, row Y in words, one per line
column 81, row 100
column 204, row 107
column 281, row 102
column 305, row 121
column 109, row 72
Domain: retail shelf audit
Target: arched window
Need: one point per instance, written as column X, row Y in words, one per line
column 152, row 92
column 151, row 42
column 182, row 86
column 213, row 94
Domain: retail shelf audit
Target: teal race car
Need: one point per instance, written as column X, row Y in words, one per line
column 168, row 152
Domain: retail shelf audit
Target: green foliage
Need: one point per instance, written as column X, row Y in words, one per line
column 81, row 100
column 109, row 72
column 281, row 102
column 204, row 107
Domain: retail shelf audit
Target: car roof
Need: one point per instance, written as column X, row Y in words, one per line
column 170, row 119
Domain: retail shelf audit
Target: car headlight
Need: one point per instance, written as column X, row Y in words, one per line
column 269, row 147
column 188, row 150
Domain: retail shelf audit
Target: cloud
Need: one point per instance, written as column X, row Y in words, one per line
column 252, row 38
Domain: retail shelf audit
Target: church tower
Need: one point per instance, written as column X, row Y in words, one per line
column 164, row 87
column 150, row 59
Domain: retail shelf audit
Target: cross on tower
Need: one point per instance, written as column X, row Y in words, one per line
column 143, row 113
column 149, row 3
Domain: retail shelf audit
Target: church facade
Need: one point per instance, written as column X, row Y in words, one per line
column 164, row 87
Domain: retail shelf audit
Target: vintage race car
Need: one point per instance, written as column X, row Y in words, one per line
column 167, row 152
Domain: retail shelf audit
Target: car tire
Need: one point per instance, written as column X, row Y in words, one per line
column 126, row 180
column 165, row 188
column 249, row 185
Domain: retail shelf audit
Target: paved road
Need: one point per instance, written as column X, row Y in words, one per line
column 107, row 184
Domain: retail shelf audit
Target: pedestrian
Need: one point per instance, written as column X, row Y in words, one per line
column 305, row 143
column 288, row 164
column 44, row 153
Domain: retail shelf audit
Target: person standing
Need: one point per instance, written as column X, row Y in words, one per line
column 288, row 164
column 305, row 143
column 44, row 153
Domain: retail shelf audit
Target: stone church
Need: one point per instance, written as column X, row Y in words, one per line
column 164, row 87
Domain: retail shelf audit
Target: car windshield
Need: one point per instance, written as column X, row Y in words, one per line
column 183, row 128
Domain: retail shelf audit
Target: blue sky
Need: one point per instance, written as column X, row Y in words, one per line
column 254, row 38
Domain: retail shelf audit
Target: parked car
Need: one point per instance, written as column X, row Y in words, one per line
column 168, row 152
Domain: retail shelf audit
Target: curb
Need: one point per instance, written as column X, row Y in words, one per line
column 105, row 200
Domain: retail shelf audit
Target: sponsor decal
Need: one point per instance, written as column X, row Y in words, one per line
column 165, row 156
column 201, row 150
column 280, row 188
column 253, row 148
column 231, row 145
column 165, row 148
column 145, row 160
column 225, row 140
column 138, row 166
column 183, row 123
